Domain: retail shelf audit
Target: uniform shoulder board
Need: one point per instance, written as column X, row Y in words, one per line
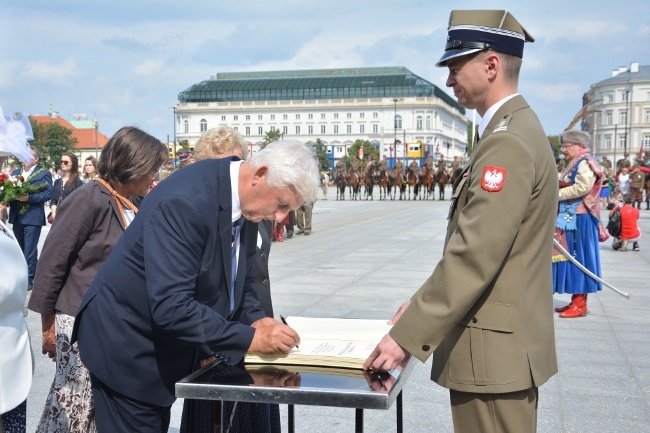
column 503, row 124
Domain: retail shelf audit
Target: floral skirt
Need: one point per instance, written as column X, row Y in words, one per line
column 69, row 406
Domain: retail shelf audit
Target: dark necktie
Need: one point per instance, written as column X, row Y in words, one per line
column 236, row 227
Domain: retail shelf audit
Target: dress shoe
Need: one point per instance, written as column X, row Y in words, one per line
column 307, row 233
column 299, row 232
column 636, row 247
column 289, row 235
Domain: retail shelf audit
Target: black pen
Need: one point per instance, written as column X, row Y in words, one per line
column 284, row 322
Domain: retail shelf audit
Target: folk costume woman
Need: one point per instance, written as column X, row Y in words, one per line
column 577, row 223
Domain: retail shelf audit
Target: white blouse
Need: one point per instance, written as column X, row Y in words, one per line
column 16, row 359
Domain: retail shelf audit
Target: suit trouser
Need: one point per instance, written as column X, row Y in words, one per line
column 304, row 217
column 513, row 412
column 27, row 237
column 115, row 412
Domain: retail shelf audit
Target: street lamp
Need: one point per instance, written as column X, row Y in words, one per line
column 174, row 137
column 395, row 128
column 629, row 120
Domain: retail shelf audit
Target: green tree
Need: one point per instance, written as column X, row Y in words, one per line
column 184, row 144
column 52, row 140
column 368, row 149
column 320, row 150
column 271, row 136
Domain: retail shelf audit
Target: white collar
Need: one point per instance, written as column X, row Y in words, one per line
column 490, row 113
column 234, row 189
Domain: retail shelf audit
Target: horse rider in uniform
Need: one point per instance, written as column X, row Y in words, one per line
column 486, row 312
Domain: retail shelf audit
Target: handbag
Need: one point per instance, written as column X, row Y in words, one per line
column 602, row 233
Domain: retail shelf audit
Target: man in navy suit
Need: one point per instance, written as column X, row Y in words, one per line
column 27, row 225
column 177, row 287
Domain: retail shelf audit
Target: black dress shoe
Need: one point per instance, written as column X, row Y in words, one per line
column 289, row 235
column 299, row 232
column 307, row 233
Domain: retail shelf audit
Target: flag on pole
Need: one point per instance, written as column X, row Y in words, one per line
column 360, row 152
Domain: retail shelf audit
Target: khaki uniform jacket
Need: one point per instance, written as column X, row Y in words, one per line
column 486, row 311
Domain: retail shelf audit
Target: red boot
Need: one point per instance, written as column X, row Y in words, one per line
column 566, row 307
column 578, row 309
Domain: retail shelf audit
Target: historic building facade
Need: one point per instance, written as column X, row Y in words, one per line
column 404, row 115
column 622, row 122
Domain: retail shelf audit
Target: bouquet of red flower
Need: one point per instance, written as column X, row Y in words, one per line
column 13, row 187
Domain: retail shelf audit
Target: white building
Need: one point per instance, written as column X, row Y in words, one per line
column 388, row 106
column 622, row 124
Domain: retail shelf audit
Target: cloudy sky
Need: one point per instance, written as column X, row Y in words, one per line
column 126, row 61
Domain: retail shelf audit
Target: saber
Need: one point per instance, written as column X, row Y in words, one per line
column 587, row 271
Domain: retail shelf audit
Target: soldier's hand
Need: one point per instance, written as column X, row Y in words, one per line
column 386, row 356
column 274, row 339
column 400, row 310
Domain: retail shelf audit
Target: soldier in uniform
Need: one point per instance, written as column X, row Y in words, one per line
column 623, row 163
column 429, row 163
column 637, row 182
column 414, row 166
column 485, row 314
column 606, row 164
column 340, row 165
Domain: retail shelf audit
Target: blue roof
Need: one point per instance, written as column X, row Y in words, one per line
column 628, row 77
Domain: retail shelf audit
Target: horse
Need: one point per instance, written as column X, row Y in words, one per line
column 398, row 181
column 341, row 183
column 412, row 180
column 383, row 180
column 369, row 181
column 354, row 183
column 441, row 180
column 427, row 182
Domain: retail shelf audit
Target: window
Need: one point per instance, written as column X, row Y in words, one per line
column 310, row 116
column 610, row 98
column 322, row 115
column 621, row 141
column 285, row 116
column 310, row 129
column 375, row 128
column 398, row 122
column 362, row 115
column 322, row 129
column 297, row 116
column 336, row 129
column 624, row 95
column 418, row 123
column 248, row 117
column 248, row 130
column 349, row 115
column 348, row 129
column 608, row 142
column 647, row 116
column 236, row 128
column 336, row 115
column 362, row 129
column 186, row 126
column 375, row 115
column 272, row 116
column 285, row 130
column 223, row 118
column 260, row 131
column 204, row 125
column 428, row 122
column 646, row 141
column 235, row 117
column 608, row 118
column 297, row 130
column 272, row 128
column 623, row 117
column 259, row 117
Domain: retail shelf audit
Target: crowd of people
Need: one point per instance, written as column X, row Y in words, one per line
column 157, row 271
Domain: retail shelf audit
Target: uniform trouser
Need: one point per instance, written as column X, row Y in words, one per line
column 304, row 217
column 27, row 237
column 514, row 412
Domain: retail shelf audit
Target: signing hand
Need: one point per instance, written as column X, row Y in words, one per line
column 386, row 356
column 273, row 339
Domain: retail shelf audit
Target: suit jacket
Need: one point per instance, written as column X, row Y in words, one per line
column 260, row 268
column 163, row 293
column 86, row 229
column 35, row 213
column 486, row 311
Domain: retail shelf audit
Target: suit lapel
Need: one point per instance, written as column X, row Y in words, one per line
column 225, row 221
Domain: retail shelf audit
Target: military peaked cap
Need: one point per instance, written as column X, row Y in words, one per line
column 473, row 31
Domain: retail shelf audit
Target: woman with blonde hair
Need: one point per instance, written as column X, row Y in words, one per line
column 90, row 169
column 219, row 143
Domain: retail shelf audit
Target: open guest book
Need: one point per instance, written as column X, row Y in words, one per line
column 342, row 343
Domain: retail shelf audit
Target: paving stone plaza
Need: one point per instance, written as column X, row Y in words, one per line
column 365, row 258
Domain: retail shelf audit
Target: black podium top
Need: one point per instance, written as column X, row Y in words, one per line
column 303, row 385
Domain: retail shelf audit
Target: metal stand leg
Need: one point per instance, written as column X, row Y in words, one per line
column 292, row 424
column 358, row 421
column 400, row 415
